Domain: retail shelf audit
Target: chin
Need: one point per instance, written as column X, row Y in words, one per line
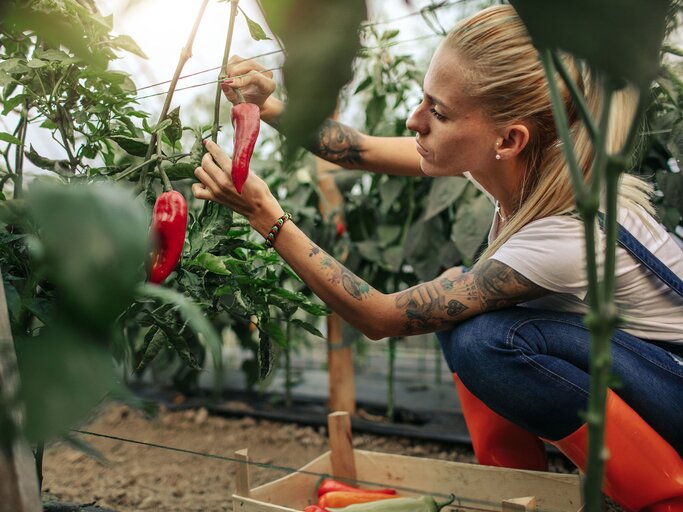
column 439, row 172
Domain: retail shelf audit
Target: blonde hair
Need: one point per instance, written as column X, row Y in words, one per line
column 504, row 74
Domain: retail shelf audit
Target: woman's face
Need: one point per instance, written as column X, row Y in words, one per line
column 452, row 133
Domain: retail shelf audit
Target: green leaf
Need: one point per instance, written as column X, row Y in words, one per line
column 389, row 191
column 374, row 112
column 154, row 342
column 442, row 194
column 321, row 39
column 300, row 300
column 131, row 145
column 128, row 44
column 56, row 26
column 174, row 130
column 620, row 37
column 63, row 376
column 11, row 104
column 275, row 333
column 472, row 222
column 422, row 247
column 671, row 186
column 53, row 55
column 307, row 327
column 58, row 166
column 212, row 263
column 162, row 125
column 389, row 34
column 11, row 139
column 257, row 33
column 180, row 171
column 365, row 83
column 36, row 63
column 191, row 313
column 675, row 142
column 95, row 239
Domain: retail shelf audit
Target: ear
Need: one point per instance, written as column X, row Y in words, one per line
column 513, row 140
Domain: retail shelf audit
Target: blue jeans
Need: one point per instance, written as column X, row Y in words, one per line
column 531, row 367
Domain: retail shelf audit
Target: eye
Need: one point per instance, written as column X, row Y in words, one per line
column 439, row 117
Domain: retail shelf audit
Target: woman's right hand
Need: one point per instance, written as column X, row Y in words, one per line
column 253, row 80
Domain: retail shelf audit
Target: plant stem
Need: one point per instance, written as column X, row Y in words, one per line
column 604, row 320
column 73, row 161
column 562, row 126
column 40, row 450
column 391, row 380
column 438, row 364
column 226, row 54
column 577, row 97
column 288, row 366
column 131, row 170
column 19, row 159
column 185, row 55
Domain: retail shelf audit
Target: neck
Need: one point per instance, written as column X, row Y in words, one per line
column 504, row 187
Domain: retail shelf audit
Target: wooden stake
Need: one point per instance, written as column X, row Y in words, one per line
column 526, row 504
column 19, row 490
column 342, row 389
column 242, row 484
column 341, row 445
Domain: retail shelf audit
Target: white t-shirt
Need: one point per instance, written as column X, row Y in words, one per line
column 550, row 252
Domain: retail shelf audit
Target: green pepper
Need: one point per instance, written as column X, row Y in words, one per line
column 415, row 504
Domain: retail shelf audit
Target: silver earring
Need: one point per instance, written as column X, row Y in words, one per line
column 497, row 157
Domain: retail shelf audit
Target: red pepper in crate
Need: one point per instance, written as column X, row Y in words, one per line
column 346, row 498
column 246, row 119
column 169, row 221
column 314, row 508
column 329, row 485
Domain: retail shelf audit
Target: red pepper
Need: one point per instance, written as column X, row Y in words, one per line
column 341, row 229
column 246, row 119
column 330, row 485
column 314, row 508
column 169, row 221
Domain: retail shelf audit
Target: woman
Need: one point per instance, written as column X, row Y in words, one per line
column 511, row 328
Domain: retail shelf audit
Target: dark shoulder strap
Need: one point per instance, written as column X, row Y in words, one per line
column 644, row 256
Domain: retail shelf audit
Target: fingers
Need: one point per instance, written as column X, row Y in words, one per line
column 200, row 191
column 218, row 155
column 214, row 177
column 239, row 66
column 254, row 82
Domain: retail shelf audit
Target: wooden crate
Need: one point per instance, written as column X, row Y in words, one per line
column 483, row 488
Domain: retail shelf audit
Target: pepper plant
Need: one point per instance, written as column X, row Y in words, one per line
column 637, row 35
column 74, row 254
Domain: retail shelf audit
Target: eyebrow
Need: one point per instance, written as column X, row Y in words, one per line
column 437, row 101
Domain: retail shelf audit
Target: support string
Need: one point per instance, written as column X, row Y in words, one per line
column 458, row 499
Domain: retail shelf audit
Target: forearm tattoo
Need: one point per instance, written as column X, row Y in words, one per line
column 338, row 143
column 500, row 286
column 339, row 274
column 334, row 142
column 439, row 304
column 427, row 308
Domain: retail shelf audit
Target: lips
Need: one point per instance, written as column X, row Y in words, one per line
column 423, row 152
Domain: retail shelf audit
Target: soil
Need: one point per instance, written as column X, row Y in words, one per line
column 137, row 477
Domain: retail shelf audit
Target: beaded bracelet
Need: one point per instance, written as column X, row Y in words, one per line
column 275, row 230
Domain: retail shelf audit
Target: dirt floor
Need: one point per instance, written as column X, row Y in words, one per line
column 144, row 478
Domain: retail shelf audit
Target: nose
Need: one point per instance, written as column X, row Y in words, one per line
column 417, row 120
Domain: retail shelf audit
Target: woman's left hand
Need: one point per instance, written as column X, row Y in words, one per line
column 256, row 202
